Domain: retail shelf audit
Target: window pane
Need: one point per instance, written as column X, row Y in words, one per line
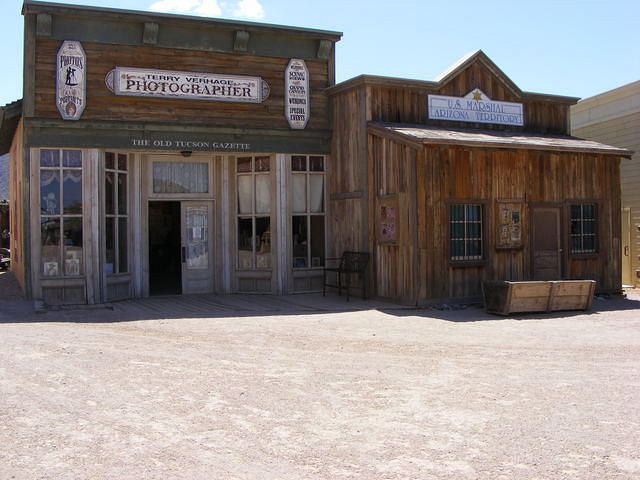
column 316, row 164
column 589, row 243
column 49, row 158
column 263, row 242
column 457, row 212
column 575, row 227
column 72, row 191
column 457, row 249
column 474, row 248
column 300, row 241
column 299, row 193
column 245, row 245
column 457, row 230
column 317, row 241
column 473, row 212
column 589, row 227
column 122, row 194
column 110, row 243
column 72, row 246
column 263, row 194
column 50, row 240
column 244, row 194
column 109, row 192
column 123, row 249
column 197, row 220
column 263, row 164
column 244, row 164
column 588, row 211
column 122, row 161
column 50, row 192
column 298, row 163
column 72, row 158
column 316, row 193
column 109, row 160
column 473, row 230
column 576, row 212
column 576, row 244
column 180, row 177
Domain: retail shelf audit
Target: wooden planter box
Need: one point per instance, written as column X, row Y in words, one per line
column 504, row 297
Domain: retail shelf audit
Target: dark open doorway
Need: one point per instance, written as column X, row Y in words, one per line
column 165, row 263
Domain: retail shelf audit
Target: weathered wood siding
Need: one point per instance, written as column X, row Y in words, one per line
column 535, row 177
column 392, row 183
column 104, row 105
column 347, row 178
column 18, row 196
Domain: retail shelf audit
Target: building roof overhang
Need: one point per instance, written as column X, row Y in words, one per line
column 416, row 136
column 10, row 116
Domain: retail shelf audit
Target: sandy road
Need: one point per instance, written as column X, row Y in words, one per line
column 395, row 394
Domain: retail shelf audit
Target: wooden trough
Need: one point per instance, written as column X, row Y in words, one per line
column 504, row 297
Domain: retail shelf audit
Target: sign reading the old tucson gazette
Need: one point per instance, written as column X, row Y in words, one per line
column 475, row 107
column 140, row 82
column 71, row 80
column 296, row 94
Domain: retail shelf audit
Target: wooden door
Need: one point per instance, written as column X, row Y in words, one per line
column 197, row 251
column 546, row 248
column 626, row 247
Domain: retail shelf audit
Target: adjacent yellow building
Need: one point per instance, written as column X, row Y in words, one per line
column 613, row 117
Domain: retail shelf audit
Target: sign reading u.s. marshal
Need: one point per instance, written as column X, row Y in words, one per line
column 296, row 94
column 71, row 64
column 475, row 107
column 142, row 82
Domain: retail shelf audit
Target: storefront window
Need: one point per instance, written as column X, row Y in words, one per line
column 180, row 177
column 61, row 212
column 116, row 213
column 308, row 220
column 254, row 209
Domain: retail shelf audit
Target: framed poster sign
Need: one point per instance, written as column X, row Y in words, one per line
column 387, row 224
column 296, row 94
column 71, row 64
column 509, row 223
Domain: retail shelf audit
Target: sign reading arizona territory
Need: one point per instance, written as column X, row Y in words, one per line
column 71, row 64
column 296, row 94
column 142, row 82
column 475, row 107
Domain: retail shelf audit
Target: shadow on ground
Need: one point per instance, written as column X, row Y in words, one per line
column 14, row 309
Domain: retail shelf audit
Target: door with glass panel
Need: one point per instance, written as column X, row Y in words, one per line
column 196, row 251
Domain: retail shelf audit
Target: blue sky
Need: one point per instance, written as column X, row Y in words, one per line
column 576, row 48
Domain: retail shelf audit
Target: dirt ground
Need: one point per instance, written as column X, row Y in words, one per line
column 373, row 394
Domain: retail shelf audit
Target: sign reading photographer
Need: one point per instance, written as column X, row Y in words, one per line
column 475, row 107
column 141, row 82
column 296, row 94
column 71, row 64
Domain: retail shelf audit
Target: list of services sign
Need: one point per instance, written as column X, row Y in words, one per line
column 475, row 107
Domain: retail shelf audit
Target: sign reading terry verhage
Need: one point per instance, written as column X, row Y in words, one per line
column 296, row 94
column 475, row 107
column 71, row 80
column 141, row 82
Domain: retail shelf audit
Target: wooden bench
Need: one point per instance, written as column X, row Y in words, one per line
column 351, row 263
column 504, row 297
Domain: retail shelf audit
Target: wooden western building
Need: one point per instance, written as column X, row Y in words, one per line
column 157, row 154
column 164, row 154
column 467, row 178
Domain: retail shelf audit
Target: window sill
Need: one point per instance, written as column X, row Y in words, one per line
column 467, row 263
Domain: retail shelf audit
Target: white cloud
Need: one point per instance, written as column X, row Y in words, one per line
column 208, row 8
column 204, row 8
column 174, row 6
column 249, row 9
